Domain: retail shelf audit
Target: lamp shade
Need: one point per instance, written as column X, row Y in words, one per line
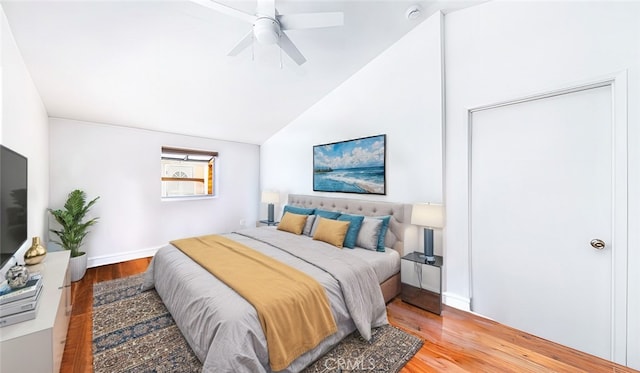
column 270, row 197
column 427, row 215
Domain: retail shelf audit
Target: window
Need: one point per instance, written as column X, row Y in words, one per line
column 187, row 172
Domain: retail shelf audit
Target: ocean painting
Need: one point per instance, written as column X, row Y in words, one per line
column 353, row 166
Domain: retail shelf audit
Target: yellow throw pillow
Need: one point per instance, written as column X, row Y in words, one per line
column 292, row 223
column 331, row 231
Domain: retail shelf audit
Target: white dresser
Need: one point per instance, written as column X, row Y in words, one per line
column 36, row 346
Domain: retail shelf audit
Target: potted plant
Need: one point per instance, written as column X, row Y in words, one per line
column 73, row 230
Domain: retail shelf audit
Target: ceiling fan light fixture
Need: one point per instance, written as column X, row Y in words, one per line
column 266, row 30
column 268, row 25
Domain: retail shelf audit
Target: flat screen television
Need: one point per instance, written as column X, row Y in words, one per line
column 13, row 203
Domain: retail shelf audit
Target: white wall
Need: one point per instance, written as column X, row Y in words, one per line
column 24, row 128
column 398, row 94
column 122, row 166
column 501, row 50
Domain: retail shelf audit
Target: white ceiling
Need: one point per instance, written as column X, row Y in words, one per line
column 162, row 65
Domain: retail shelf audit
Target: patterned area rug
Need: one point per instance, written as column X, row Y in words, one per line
column 134, row 332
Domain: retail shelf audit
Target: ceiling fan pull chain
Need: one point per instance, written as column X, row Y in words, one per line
column 280, row 51
column 253, row 41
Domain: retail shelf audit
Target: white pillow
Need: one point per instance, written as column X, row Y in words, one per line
column 369, row 232
column 307, row 227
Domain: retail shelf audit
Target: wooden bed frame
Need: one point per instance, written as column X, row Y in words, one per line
column 400, row 217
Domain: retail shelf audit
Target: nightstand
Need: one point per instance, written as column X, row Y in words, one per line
column 421, row 282
column 268, row 223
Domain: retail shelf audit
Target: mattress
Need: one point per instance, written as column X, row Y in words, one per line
column 385, row 264
column 223, row 329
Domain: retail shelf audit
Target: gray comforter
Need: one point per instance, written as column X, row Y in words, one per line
column 223, row 328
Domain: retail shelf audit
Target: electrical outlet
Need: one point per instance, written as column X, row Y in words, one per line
column 243, row 223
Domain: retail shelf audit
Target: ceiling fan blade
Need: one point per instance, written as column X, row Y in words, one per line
column 242, row 44
column 226, row 10
column 266, row 8
column 310, row 20
column 287, row 46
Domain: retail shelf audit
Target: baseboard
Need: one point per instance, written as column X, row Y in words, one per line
column 122, row 257
column 456, row 301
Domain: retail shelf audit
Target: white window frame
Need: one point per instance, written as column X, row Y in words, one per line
column 194, row 187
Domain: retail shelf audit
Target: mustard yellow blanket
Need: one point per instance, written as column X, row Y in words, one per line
column 292, row 307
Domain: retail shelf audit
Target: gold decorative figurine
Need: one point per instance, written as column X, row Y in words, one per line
column 36, row 252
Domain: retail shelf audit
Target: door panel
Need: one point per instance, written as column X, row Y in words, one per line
column 541, row 190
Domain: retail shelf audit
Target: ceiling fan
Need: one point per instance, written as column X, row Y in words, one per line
column 268, row 25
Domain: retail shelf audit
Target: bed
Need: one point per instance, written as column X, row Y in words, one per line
column 223, row 328
column 400, row 217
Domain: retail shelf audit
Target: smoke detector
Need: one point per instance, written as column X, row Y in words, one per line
column 413, row 12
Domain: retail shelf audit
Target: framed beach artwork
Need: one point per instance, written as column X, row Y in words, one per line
column 352, row 166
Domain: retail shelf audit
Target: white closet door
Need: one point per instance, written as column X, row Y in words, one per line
column 542, row 188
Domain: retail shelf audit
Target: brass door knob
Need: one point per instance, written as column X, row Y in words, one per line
column 597, row 244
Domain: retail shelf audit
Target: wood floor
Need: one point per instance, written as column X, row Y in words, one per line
column 457, row 341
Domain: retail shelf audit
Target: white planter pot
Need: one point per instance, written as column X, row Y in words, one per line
column 78, row 267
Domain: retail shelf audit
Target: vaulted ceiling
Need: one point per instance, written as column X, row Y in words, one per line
column 163, row 65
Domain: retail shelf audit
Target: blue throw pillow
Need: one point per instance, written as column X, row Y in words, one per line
column 383, row 231
column 355, row 222
column 297, row 210
column 327, row 214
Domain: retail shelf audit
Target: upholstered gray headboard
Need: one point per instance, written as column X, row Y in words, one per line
column 399, row 213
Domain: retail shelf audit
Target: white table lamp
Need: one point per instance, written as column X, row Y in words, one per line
column 428, row 215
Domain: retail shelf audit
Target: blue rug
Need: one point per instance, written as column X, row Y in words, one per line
column 134, row 332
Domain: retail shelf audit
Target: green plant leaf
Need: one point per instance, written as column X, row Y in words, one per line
column 73, row 230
